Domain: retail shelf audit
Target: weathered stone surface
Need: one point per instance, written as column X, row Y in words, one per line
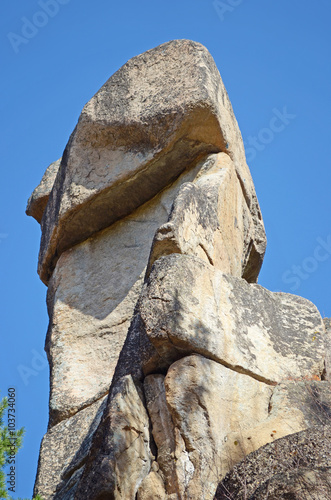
column 91, row 298
column 189, row 306
column 155, row 117
column 293, row 407
column 327, row 374
column 152, row 488
column 63, row 453
column 294, row 456
column 212, row 367
column 211, row 220
column 163, row 430
column 121, row 456
column 208, row 402
column 96, row 284
column 311, row 398
column 287, row 408
column 219, row 416
column 300, row 484
column 38, row 200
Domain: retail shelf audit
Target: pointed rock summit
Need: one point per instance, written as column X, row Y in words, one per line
column 168, row 363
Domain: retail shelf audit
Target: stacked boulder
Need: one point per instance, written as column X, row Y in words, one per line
column 168, row 363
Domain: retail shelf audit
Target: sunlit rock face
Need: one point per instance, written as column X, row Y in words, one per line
column 152, row 119
column 168, row 363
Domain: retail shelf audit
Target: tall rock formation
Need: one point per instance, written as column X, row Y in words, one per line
column 168, row 363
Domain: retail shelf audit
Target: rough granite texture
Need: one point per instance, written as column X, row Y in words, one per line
column 327, row 323
column 91, row 298
column 172, row 373
column 64, row 450
column 281, row 467
column 151, row 120
column 122, row 445
column 189, row 306
column 39, row 198
column 210, row 219
column 288, row 407
column 304, row 483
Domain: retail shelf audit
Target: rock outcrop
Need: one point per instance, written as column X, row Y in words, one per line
column 189, row 306
column 151, row 120
column 168, row 363
column 39, row 198
column 295, row 467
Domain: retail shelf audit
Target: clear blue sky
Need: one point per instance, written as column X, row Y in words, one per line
column 274, row 58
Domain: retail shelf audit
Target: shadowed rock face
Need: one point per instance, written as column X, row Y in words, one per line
column 63, row 451
column 168, row 363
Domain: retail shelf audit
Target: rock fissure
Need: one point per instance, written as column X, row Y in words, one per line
column 210, row 260
column 183, row 352
column 66, row 417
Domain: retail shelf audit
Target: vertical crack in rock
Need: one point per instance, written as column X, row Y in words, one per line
column 162, row 430
column 121, row 457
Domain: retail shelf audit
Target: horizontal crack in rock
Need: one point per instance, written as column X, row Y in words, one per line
column 87, row 404
column 207, row 355
column 210, row 260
